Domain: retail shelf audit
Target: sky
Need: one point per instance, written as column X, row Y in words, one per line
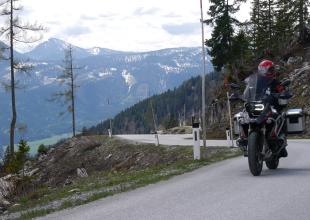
column 127, row 25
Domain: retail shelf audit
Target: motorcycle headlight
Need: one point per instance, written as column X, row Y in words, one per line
column 259, row 107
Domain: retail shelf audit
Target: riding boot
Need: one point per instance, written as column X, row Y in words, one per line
column 283, row 153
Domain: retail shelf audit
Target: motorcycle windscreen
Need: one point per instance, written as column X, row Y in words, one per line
column 256, row 87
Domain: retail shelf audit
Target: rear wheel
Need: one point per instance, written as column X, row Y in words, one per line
column 255, row 159
column 273, row 163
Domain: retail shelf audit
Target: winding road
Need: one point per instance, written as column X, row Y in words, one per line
column 222, row 191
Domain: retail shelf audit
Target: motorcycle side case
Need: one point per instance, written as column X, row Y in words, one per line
column 295, row 119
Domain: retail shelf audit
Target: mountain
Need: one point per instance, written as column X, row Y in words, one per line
column 53, row 49
column 109, row 82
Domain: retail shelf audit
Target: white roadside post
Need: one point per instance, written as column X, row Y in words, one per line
column 155, row 126
column 110, row 133
column 230, row 122
column 228, row 137
column 156, row 139
column 196, row 139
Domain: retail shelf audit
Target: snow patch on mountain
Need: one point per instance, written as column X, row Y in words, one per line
column 94, row 51
column 104, row 74
column 48, row 81
column 129, row 79
column 169, row 69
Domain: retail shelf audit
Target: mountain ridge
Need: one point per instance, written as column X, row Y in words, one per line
column 122, row 78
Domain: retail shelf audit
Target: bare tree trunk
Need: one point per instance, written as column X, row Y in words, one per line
column 14, row 115
column 72, row 91
column 269, row 19
column 301, row 17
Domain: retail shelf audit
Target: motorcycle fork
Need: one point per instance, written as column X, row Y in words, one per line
column 266, row 152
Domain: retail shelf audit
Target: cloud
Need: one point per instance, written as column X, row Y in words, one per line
column 143, row 11
column 172, row 15
column 182, row 29
column 77, row 30
column 87, row 17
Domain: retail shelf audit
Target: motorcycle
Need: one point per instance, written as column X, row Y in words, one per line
column 262, row 123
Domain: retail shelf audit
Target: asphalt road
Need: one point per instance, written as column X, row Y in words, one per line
column 173, row 139
column 225, row 190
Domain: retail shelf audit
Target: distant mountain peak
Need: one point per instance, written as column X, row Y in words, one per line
column 53, row 49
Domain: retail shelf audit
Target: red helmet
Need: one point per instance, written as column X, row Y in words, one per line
column 266, row 68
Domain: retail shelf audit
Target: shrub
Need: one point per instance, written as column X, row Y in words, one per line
column 14, row 163
column 42, row 149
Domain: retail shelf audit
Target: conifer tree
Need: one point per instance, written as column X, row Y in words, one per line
column 302, row 9
column 285, row 21
column 241, row 49
column 266, row 25
column 221, row 13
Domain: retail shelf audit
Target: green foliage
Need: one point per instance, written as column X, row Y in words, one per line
column 42, row 149
column 15, row 163
column 170, row 122
column 241, row 49
column 274, row 23
column 222, row 19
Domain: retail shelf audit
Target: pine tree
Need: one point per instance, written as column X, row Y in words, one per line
column 265, row 35
column 285, row 24
column 16, row 32
column 221, row 12
column 302, row 11
column 241, row 49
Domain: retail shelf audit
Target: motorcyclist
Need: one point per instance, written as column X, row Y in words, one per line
column 267, row 69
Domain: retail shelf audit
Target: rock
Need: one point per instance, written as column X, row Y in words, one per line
column 7, row 185
column 50, row 150
column 2, row 209
column 4, row 202
column 81, row 172
column 42, row 157
column 32, row 172
column 68, row 182
column 74, row 190
column 27, row 165
column 294, row 60
column 16, row 205
column 108, row 157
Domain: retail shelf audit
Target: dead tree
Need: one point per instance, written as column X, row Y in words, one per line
column 68, row 79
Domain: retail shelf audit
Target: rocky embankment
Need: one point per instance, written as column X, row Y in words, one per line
column 80, row 157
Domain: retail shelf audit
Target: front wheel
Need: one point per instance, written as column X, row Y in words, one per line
column 255, row 159
column 273, row 163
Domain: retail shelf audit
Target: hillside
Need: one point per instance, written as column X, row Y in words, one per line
column 109, row 81
column 169, row 106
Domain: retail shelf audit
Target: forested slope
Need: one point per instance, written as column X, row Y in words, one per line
column 168, row 109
